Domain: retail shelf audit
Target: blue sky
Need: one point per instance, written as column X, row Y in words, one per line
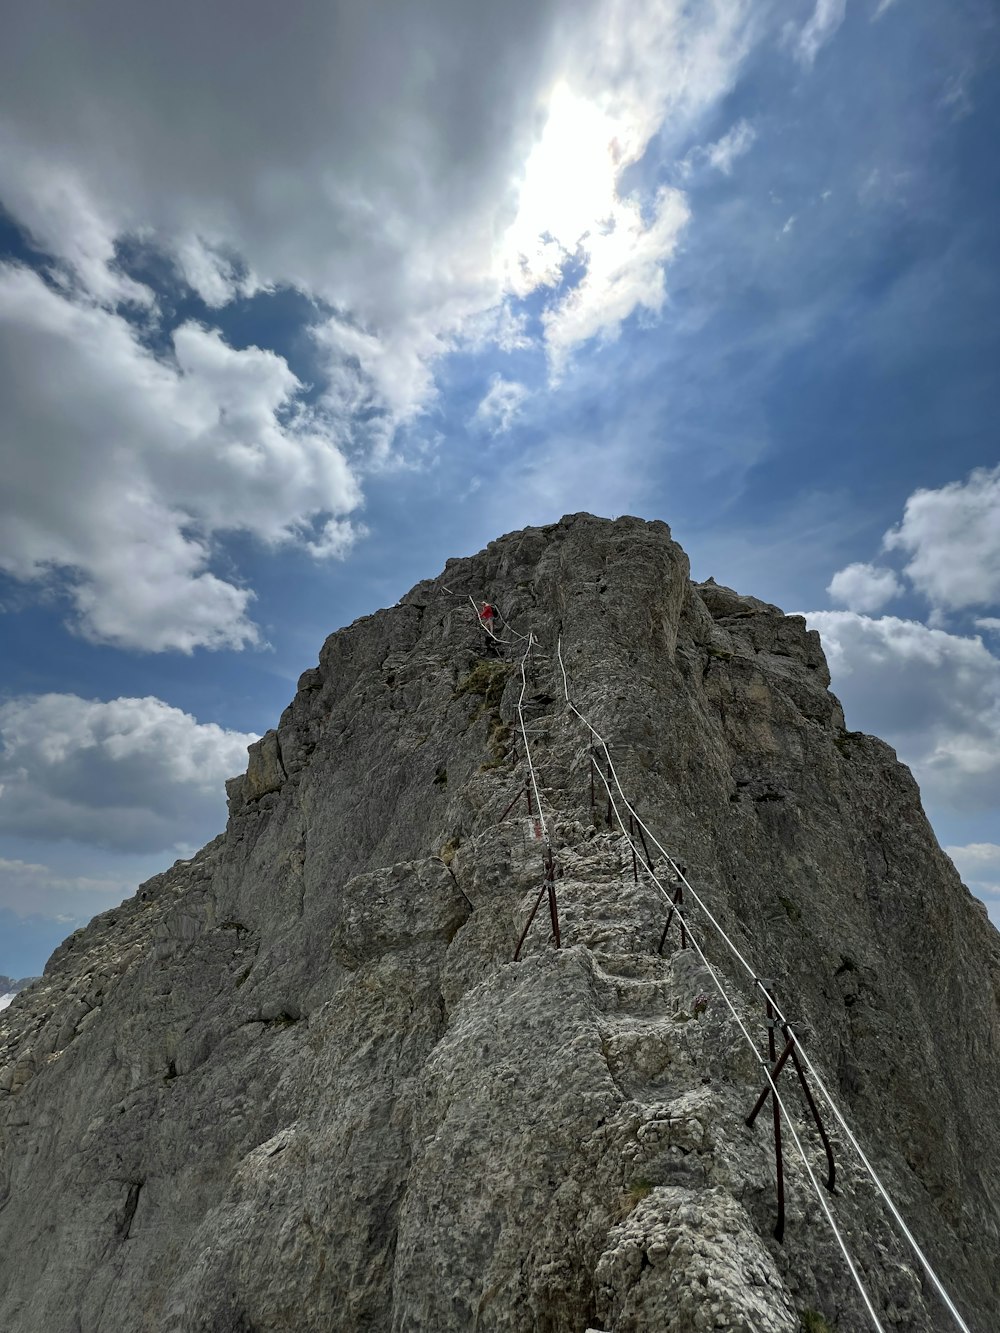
column 294, row 306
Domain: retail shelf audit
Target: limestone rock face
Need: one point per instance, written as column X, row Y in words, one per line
column 298, row 1083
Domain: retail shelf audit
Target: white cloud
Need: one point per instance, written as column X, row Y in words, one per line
column 642, row 69
column 952, row 536
column 413, row 189
column 989, row 623
column 979, row 865
column 124, row 466
column 68, row 220
column 625, row 273
column 129, row 774
column 29, row 889
column 501, row 405
column 956, row 96
column 500, row 327
column 864, row 587
column 882, row 6
column 215, row 276
column 724, row 152
column 390, row 372
column 377, row 177
column 975, row 855
column 934, row 696
column 826, row 18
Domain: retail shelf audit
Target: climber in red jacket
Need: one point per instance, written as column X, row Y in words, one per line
column 487, row 618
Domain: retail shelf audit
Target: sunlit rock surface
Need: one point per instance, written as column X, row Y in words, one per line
column 297, row 1083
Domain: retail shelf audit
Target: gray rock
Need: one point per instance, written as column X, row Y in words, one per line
column 297, row 1083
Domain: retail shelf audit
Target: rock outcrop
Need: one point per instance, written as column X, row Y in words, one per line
column 298, row 1083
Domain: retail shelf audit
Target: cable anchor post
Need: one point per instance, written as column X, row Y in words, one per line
column 550, row 883
column 775, row 1023
column 676, row 903
column 645, row 849
column 548, row 888
column 531, row 916
column 789, row 1052
column 779, row 1164
column 520, row 792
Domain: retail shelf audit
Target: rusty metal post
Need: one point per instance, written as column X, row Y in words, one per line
column 510, row 807
column 676, row 903
column 759, row 1103
column 550, row 882
column 831, row 1168
column 779, row 1165
column 645, row 849
column 527, row 927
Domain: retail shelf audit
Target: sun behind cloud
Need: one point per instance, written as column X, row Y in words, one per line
column 575, row 228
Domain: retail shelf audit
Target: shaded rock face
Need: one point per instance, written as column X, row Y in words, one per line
column 297, row 1083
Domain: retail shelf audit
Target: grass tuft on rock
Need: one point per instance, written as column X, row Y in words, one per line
column 638, row 1190
column 486, row 679
column 813, row 1322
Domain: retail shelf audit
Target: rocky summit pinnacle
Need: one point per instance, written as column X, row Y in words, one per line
column 299, row 1082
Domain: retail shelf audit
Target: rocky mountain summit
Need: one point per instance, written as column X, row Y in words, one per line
column 298, row 1083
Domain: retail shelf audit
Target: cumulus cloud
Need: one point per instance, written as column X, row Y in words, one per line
column 125, row 465
column 934, row 696
column 823, row 23
column 500, row 405
column 68, row 219
column 864, row 587
column 979, row 865
column 129, row 774
column 952, row 538
column 372, row 175
column 376, row 177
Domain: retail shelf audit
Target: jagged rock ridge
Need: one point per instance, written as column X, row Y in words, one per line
column 298, row 1084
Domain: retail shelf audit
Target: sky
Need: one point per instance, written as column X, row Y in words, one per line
column 298, row 301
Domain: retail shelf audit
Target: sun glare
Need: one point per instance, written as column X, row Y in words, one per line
column 570, row 211
column 569, row 191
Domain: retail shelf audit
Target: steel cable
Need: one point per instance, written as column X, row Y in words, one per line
column 820, row 1083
